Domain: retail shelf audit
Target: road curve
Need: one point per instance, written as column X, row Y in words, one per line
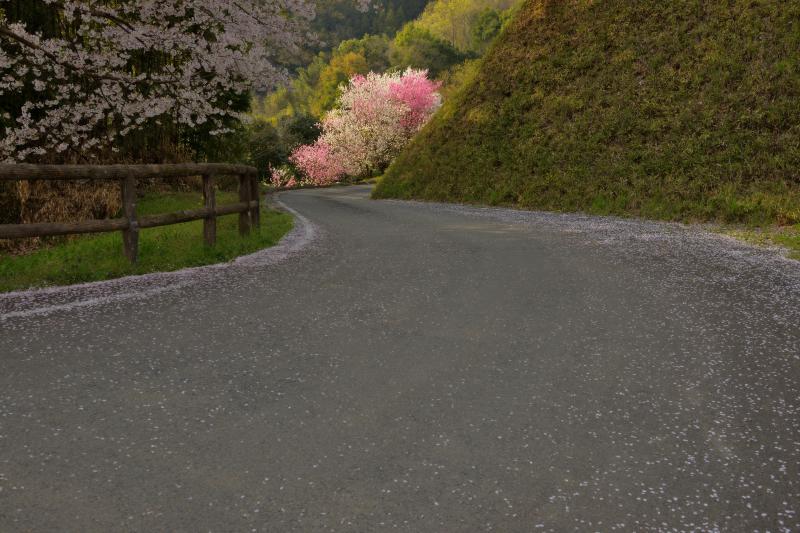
column 414, row 367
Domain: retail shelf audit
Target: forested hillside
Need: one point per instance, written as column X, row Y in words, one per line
column 446, row 40
column 339, row 20
column 444, row 36
column 466, row 24
column 674, row 110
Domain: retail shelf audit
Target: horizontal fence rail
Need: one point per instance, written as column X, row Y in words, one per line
column 24, row 171
column 248, row 207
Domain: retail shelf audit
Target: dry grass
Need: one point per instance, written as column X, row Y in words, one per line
column 54, row 201
column 25, row 202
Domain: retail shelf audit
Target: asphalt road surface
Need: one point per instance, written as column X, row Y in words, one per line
column 414, row 367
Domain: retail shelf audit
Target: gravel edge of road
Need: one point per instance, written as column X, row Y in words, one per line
column 606, row 225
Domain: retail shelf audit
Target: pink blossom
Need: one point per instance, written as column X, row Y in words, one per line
column 317, row 163
column 419, row 93
column 282, row 177
column 376, row 115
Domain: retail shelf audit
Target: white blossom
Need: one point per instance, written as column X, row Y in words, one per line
column 204, row 48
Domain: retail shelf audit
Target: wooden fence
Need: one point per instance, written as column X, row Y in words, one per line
column 248, row 206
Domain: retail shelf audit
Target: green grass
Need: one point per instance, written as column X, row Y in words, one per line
column 787, row 237
column 678, row 110
column 99, row 257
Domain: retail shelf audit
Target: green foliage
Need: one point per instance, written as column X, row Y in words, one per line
column 166, row 248
column 298, row 129
column 455, row 20
column 265, row 147
column 315, row 88
column 418, row 48
column 485, row 28
column 457, row 77
column 672, row 110
column 787, row 237
column 340, row 20
column 202, row 145
column 373, row 48
column 335, row 73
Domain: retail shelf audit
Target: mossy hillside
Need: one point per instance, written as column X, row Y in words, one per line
column 672, row 110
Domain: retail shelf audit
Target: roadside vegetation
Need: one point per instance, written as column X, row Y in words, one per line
column 667, row 110
column 166, row 248
column 784, row 237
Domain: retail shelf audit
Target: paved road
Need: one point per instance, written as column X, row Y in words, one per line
column 414, row 367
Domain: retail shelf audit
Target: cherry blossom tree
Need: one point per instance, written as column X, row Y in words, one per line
column 376, row 115
column 117, row 66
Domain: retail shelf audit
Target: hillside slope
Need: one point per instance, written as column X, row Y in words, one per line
column 684, row 109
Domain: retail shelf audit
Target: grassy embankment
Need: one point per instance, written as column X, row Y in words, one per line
column 786, row 237
column 99, row 257
column 678, row 110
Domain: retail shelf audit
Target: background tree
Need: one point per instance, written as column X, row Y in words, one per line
column 374, row 117
column 485, row 28
column 341, row 20
column 265, row 148
column 297, row 130
column 453, row 20
column 335, row 73
column 419, row 48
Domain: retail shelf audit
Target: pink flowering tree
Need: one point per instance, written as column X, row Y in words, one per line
column 375, row 116
column 419, row 95
column 85, row 88
column 317, row 163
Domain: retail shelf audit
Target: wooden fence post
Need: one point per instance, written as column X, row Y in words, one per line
column 255, row 213
column 209, row 202
column 130, row 236
column 244, row 196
